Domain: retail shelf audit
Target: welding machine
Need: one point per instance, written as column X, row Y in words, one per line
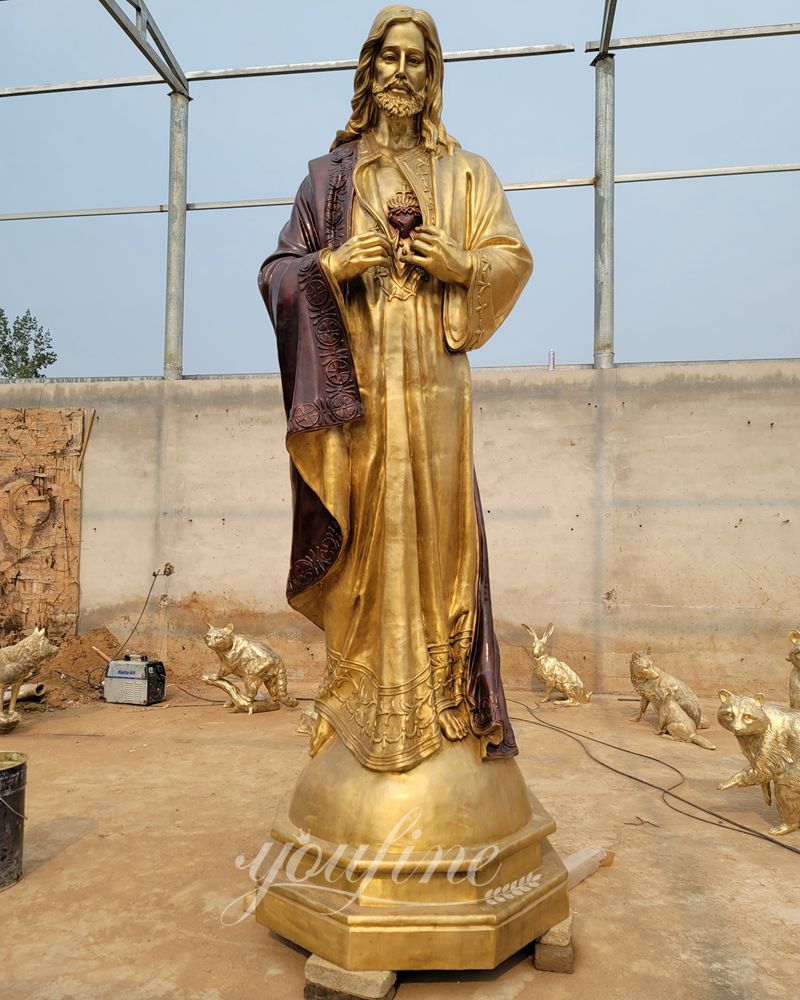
column 135, row 680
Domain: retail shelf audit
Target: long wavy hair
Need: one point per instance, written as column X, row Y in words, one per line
column 365, row 108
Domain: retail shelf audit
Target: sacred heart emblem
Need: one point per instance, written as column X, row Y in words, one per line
column 403, row 213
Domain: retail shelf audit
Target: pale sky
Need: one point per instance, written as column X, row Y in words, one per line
column 705, row 269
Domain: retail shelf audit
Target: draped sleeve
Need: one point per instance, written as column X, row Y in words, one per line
column 320, row 391
column 501, row 262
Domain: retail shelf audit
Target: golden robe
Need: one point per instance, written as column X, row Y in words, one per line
column 400, row 600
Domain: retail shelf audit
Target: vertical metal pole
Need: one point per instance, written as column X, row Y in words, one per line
column 604, row 212
column 176, row 234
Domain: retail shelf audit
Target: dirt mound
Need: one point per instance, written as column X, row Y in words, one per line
column 75, row 667
column 70, row 675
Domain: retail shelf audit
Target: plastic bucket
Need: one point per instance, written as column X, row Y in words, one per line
column 13, row 770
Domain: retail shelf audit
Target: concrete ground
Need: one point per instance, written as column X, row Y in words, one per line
column 135, row 819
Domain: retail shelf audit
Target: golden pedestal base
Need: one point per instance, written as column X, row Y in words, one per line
column 446, row 866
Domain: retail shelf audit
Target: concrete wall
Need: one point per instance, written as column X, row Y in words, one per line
column 648, row 503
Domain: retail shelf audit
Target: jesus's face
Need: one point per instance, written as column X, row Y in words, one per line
column 399, row 71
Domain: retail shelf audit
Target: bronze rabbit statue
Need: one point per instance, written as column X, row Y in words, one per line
column 555, row 675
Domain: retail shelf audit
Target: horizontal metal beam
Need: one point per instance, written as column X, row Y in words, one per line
column 677, row 175
column 286, row 69
column 196, row 206
column 514, row 52
column 62, row 88
column 211, row 206
column 658, row 175
column 687, row 37
column 546, row 185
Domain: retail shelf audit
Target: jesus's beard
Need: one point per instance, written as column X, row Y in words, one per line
column 398, row 104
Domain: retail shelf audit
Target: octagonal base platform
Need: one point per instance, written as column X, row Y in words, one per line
column 446, row 866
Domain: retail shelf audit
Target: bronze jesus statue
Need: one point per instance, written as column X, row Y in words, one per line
column 401, row 254
column 399, row 846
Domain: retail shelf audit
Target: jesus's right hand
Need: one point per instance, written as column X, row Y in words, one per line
column 358, row 254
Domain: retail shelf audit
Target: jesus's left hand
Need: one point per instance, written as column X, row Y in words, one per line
column 438, row 254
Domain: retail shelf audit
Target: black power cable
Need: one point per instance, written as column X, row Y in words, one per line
column 168, row 570
column 216, row 701
column 199, row 697
column 666, row 793
column 90, row 674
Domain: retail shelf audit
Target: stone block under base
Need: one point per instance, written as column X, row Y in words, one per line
column 326, row 981
column 314, row 992
column 561, row 934
column 553, row 957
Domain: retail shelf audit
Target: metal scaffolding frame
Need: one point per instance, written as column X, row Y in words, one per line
column 146, row 36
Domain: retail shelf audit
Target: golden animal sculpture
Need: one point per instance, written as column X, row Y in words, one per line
column 794, row 676
column 255, row 664
column 769, row 737
column 17, row 664
column 673, row 721
column 674, row 702
column 555, row 675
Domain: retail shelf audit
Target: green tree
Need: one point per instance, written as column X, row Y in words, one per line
column 25, row 347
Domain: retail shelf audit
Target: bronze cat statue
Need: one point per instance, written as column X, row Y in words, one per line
column 676, row 705
column 769, row 737
column 673, row 720
column 646, row 679
column 255, row 664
